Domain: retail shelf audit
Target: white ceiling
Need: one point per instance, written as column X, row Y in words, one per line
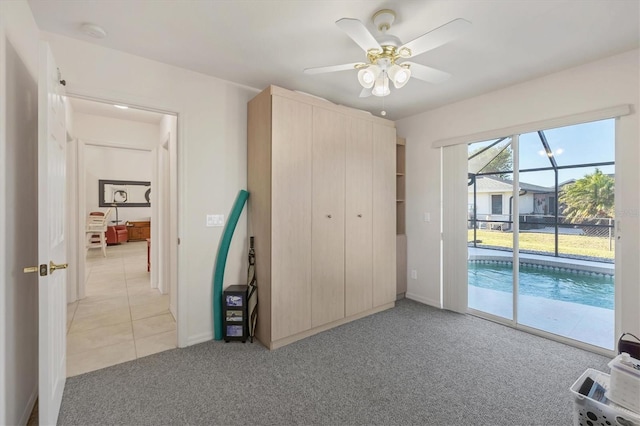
column 261, row 42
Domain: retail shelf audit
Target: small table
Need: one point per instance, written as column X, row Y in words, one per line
column 148, row 254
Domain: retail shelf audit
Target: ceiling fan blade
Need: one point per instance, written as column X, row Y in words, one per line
column 436, row 38
column 358, row 33
column 425, row 73
column 365, row 93
column 332, row 68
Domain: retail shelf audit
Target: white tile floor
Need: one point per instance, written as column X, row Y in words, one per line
column 121, row 318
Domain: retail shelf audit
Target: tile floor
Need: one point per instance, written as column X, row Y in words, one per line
column 121, row 318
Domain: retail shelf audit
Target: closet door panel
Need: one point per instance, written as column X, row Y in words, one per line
column 327, row 270
column 359, row 219
column 384, row 214
column 291, row 217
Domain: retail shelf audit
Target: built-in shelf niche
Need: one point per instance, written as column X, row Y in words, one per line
column 400, row 185
column 401, row 238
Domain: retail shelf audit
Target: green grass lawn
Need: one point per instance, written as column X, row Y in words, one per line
column 580, row 245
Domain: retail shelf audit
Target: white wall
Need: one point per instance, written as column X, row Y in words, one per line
column 600, row 84
column 115, row 164
column 103, row 159
column 18, row 212
column 212, row 123
column 483, row 202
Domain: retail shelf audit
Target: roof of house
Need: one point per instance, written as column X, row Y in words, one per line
column 496, row 184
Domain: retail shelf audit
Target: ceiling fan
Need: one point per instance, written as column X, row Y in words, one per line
column 387, row 55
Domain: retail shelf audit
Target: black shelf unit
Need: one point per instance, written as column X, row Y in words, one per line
column 235, row 324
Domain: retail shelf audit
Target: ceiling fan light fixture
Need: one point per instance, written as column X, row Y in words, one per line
column 381, row 86
column 399, row 75
column 367, row 76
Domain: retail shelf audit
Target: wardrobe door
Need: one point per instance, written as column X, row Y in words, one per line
column 290, row 217
column 358, row 218
column 384, row 214
column 327, row 265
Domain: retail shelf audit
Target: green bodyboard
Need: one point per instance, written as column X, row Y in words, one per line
column 221, row 261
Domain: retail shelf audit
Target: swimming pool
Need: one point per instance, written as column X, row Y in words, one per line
column 585, row 289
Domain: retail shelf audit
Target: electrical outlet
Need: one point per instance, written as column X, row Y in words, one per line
column 414, row 274
column 210, row 220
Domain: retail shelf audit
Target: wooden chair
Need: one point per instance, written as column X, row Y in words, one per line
column 96, row 231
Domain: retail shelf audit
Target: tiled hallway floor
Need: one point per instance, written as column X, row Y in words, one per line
column 121, row 318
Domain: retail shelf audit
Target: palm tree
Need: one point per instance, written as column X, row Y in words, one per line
column 589, row 197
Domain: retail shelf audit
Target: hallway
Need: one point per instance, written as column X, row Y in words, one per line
column 121, row 318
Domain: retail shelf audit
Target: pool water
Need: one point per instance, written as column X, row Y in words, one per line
column 547, row 283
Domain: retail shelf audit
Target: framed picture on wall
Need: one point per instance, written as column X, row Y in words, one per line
column 124, row 193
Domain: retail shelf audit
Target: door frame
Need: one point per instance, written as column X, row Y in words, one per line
column 177, row 181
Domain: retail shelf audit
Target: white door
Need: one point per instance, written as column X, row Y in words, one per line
column 51, row 239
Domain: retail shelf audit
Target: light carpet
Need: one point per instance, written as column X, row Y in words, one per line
column 413, row 364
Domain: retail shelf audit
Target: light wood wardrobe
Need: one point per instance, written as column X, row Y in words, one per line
column 322, row 209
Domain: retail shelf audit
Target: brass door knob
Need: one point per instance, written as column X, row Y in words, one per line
column 53, row 267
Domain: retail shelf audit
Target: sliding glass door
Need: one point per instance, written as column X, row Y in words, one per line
column 541, row 226
column 490, row 247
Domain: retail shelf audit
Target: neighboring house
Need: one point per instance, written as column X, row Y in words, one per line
column 494, row 199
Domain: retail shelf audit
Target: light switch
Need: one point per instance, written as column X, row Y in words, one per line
column 218, row 220
column 427, row 217
column 215, row 220
column 414, row 274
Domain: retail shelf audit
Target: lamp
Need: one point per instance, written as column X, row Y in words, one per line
column 367, row 76
column 121, row 196
column 116, row 207
column 383, row 68
column 399, row 75
column 381, row 86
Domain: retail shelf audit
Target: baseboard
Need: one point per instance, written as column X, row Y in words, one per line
column 287, row 340
column 199, row 338
column 24, row 418
column 425, row 300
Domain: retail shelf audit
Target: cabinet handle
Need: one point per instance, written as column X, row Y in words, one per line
column 359, row 215
column 329, row 216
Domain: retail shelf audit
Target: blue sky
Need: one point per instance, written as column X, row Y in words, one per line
column 578, row 144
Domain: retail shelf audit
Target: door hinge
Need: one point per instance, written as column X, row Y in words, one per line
column 63, row 82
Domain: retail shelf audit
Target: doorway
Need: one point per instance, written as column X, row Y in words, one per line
column 121, row 294
column 541, row 231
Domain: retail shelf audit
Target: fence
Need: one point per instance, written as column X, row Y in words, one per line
column 587, row 238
